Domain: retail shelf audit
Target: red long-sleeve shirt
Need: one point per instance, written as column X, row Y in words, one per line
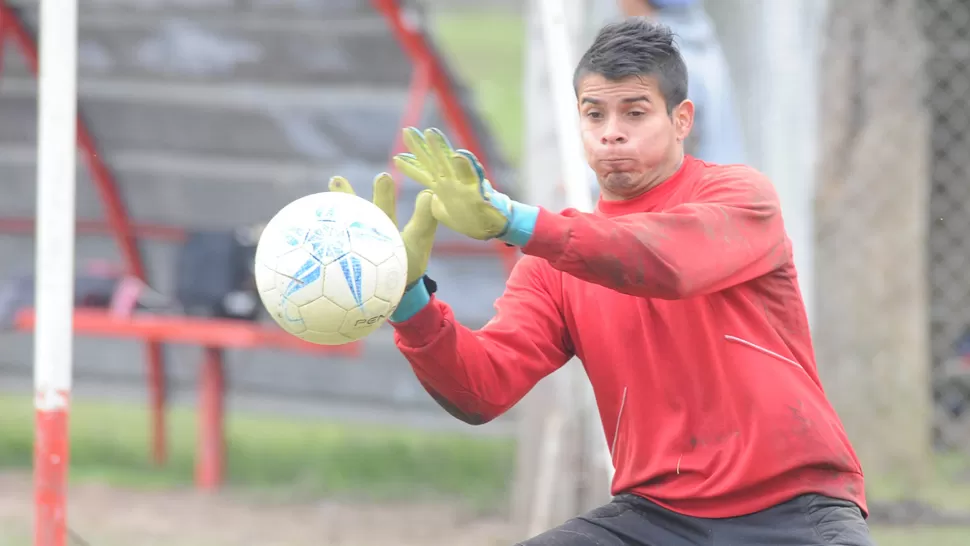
column 684, row 307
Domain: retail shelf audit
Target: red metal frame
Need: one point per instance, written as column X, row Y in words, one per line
column 3, row 33
column 117, row 216
column 210, row 465
column 50, row 472
column 423, row 59
column 198, row 331
column 417, row 95
column 212, row 335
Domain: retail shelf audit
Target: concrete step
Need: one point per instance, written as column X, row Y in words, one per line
column 199, row 191
column 297, row 9
column 252, row 121
column 219, row 47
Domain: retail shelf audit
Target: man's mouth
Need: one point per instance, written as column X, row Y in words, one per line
column 616, row 164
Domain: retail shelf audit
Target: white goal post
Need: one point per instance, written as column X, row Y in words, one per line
column 560, row 425
column 54, row 263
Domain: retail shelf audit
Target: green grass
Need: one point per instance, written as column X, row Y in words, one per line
column 947, row 485
column 109, row 443
column 911, row 536
column 486, row 49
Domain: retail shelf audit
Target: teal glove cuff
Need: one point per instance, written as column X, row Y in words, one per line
column 414, row 300
column 522, row 218
column 522, row 224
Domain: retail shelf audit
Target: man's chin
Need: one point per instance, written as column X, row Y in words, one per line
column 622, row 185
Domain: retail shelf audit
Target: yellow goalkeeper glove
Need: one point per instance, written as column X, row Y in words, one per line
column 418, row 233
column 463, row 199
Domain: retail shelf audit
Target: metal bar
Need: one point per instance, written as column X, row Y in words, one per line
column 157, row 401
column 211, row 449
column 559, row 63
column 421, row 54
column 16, row 31
column 3, row 38
column 417, row 96
column 197, row 331
column 114, row 207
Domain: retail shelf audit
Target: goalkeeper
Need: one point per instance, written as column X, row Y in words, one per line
column 680, row 297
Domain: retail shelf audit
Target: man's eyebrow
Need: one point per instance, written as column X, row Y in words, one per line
column 641, row 98
column 628, row 100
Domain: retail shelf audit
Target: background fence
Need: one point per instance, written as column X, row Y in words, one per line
column 947, row 25
column 893, row 215
column 216, row 113
column 873, row 219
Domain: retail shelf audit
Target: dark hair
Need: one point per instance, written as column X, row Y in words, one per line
column 637, row 47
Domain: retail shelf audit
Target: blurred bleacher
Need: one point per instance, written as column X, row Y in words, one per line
column 213, row 115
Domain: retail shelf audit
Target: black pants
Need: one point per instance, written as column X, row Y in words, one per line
column 809, row 520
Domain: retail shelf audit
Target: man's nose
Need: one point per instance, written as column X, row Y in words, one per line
column 612, row 135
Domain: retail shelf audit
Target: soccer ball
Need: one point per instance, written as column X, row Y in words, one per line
column 330, row 267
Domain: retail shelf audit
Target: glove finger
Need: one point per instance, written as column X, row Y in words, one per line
column 468, row 170
column 441, row 152
column 422, row 222
column 476, row 164
column 340, row 184
column 412, row 167
column 415, row 143
column 385, row 195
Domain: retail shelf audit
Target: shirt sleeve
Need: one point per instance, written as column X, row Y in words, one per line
column 729, row 233
column 478, row 375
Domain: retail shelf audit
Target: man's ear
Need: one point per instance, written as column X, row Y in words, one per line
column 683, row 118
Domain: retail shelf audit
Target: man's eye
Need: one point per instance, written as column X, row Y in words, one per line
column 594, row 115
column 637, row 113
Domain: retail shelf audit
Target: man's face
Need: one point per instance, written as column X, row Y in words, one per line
column 631, row 142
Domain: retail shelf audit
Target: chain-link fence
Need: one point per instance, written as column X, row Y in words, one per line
column 893, row 230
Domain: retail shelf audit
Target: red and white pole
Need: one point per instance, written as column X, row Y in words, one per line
column 53, row 334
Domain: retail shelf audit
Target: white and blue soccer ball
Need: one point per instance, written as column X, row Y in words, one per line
column 330, row 268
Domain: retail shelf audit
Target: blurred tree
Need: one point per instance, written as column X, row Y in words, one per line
column 871, row 330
